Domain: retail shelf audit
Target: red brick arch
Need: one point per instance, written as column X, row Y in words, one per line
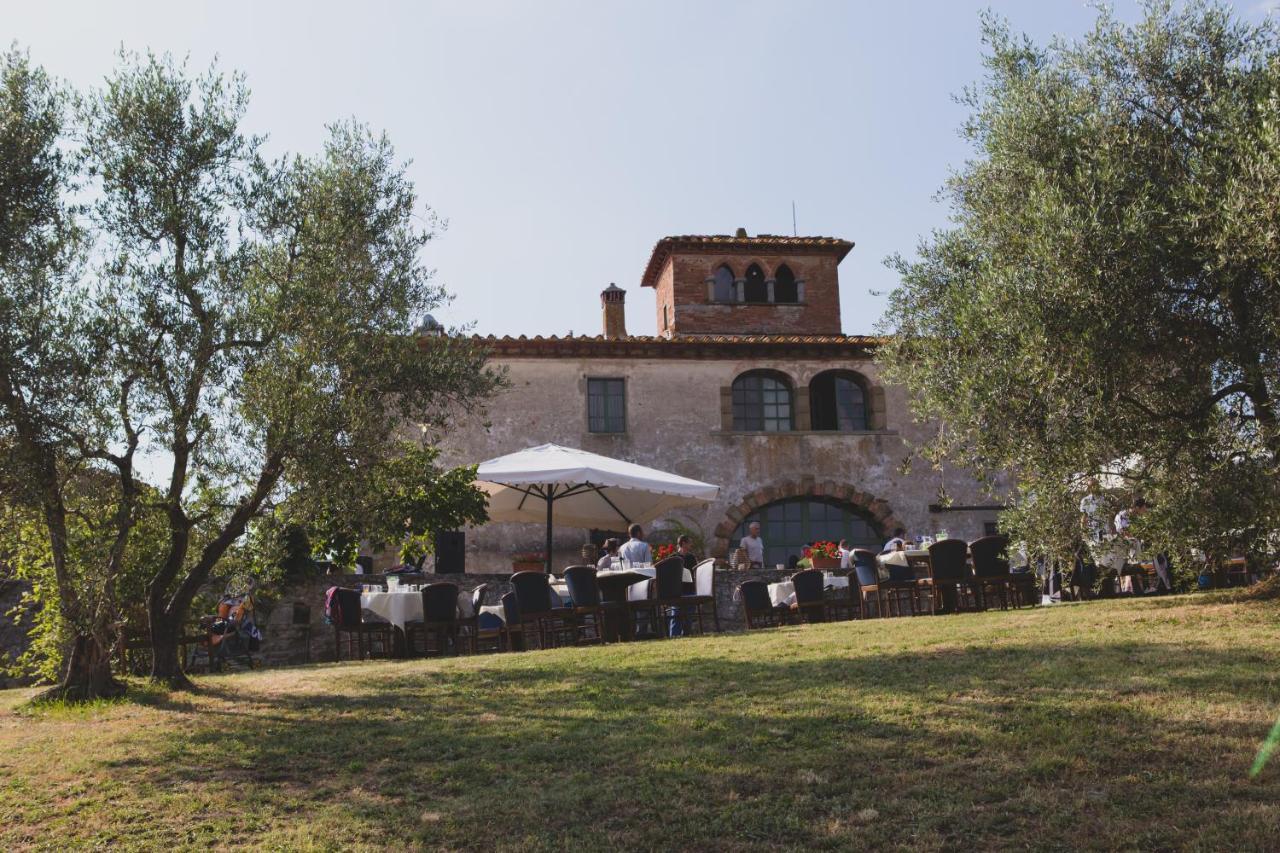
column 880, row 512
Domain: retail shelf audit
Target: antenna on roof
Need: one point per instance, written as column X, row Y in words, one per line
column 794, row 233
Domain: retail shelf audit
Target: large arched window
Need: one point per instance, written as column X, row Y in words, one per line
column 838, row 401
column 762, row 402
column 724, row 289
column 755, row 290
column 787, row 526
column 784, row 285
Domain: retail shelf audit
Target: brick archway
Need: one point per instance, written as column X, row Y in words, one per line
column 878, row 510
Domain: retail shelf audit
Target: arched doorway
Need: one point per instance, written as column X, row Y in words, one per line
column 787, row 525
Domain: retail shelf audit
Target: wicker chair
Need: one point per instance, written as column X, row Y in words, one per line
column 949, row 571
column 554, row 626
column 758, row 608
column 439, row 619
column 811, row 605
column 362, row 636
column 669, row 597
column 587, row 606
column 990, row 569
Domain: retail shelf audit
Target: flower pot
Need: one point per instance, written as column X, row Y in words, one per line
column 527, row 566
column 826, row 563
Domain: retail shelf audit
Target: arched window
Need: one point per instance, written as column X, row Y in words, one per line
column 838, row 401
column 787, row 526
column 762, row 402
column 724, row 289
column 784, row 285
column 755, row 289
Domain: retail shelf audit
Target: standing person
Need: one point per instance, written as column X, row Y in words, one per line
column 753, row 545
column 846, row 554
column 1091, row 519
column 897, row 543
column 610, row 554
column 636, row 551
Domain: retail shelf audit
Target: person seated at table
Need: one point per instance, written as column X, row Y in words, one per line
column 846, row 554
column 754, row 546
column 684, row 547
column 610, row 554
column 636, row 551
column 897, row 543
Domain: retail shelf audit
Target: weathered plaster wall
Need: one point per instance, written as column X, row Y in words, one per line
column 674, row 423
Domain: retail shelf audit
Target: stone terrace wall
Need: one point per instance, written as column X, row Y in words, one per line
column 284, row 643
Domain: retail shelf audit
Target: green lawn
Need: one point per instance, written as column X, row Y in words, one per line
column 1105, row 725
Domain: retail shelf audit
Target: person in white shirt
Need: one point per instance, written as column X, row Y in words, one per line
column 636, row 552
column 897, row 543
column 611, row 547
column 1091, row 518
column 846, row 554
column 753, row 545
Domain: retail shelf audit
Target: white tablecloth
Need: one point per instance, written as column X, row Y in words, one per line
column 783, row 593
column 396, row 607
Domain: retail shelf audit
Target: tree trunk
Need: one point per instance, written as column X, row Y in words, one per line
column 88, row 675
column 166, row 664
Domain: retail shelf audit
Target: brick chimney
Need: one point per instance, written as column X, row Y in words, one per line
column 613, row 300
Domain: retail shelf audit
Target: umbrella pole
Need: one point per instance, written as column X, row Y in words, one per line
column 550, row 499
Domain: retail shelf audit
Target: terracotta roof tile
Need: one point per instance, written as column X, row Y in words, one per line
column 687, row 346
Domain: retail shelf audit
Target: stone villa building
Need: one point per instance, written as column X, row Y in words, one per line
column 750, row 384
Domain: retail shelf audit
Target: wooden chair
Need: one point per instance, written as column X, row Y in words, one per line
column 585, row 601
column 704, row 594
column 362, row 636
column 439, row 619
column 554, row 626
column 758, row 608
column 811, row 605
column 990, row 569
column 866, row 578
column 949, row 573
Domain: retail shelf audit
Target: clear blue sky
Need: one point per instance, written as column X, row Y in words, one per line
column 561, row 139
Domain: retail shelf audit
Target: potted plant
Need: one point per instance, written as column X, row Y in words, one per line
column 661, row 552
column 824, row 555
column 528, row 561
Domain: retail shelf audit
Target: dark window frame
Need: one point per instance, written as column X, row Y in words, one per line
column 828, row 412
column 790, row 523
column 785, row 289
column 600, row 420
column 755, row 290
column 719, row 282
column 756, row 402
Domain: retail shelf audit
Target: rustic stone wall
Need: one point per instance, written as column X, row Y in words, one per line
column 674, row 423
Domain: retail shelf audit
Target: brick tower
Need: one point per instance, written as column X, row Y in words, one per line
column 741, row 285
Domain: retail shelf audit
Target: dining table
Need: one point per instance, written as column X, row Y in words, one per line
column 783, row 593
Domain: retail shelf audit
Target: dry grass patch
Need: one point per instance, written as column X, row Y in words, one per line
column 1121, row 724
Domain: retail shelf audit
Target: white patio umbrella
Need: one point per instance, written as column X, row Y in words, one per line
column 582, row 489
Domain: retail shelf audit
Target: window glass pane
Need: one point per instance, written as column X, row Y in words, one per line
column 725, row 290
column 788, row 525
column 606, row 405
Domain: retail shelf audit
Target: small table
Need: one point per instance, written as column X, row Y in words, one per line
column 783, row 593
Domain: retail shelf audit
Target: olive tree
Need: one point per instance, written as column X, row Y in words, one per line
column 249, row 323
column 1106, row 301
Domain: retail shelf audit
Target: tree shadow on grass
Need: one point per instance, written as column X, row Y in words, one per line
column 1063, row 744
